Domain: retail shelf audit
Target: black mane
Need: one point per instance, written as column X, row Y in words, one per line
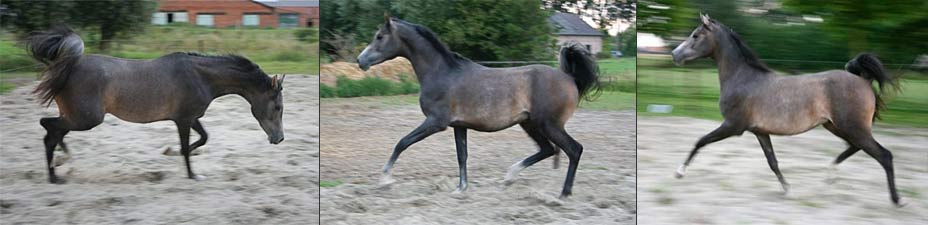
column 742, row 49
column 454, row 59
column 240, row 62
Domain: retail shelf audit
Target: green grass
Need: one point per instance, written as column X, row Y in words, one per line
column 328, row 184
column 693, row 91
column 368, row 86
column 275, row 50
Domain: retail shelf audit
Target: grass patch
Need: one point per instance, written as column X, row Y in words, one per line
column 6, row 87
column 368, row 86
column 293, row 51
column 693, row 91
column 328, row 184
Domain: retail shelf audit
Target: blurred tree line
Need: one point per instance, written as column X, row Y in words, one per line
column 478, row 29
column 794, row 34
column 110, row 19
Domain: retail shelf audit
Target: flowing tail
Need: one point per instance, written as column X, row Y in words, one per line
column 59, row 49
column 869, row 67
column 580, row 64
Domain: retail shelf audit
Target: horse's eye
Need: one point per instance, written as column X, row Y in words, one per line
column 695, row 36
column 379, row 37
column 277, row 108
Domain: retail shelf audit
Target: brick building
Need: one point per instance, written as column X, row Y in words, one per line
column 238, row 13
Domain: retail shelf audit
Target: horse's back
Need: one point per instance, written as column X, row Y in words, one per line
column 142, row 90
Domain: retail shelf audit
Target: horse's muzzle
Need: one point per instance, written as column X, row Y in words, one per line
column 276, row 140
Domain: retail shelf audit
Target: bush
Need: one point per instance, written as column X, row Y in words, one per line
column 307, row 35
column 603, row 54
column 325, row 91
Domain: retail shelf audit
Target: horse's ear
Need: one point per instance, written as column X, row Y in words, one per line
column 280, row 83
column 706, row 21
column 274, row 82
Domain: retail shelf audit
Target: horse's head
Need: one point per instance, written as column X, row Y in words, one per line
column 385, row 46
column 700, row 44
column 268, row 107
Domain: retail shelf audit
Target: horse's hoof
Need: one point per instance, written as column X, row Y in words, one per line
column 899, row 203
column 198, row 177
column 785, row 189
column 170, row 152
column 680, row 172
column 386, row 180
column 563, row 196
column 458, row 191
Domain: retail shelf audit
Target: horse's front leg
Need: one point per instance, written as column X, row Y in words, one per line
column 460, row 142
column 724, row 131
column 183, row 129
column 765, row 144
column 202, row 132
column 427, row 128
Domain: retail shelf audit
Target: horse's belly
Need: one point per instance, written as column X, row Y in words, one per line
column 787, row 123
column 489, row 121
column 140, row 108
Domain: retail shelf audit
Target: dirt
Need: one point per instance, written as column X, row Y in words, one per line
column 359, row 135
column 729, row 182
column 118, row 174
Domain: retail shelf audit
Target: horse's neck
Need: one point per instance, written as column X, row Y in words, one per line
column 430, row 69
column 735, row 73
column 220, row 85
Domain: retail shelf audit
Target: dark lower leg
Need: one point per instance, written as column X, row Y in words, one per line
column 460, row 141
column 572, row 149
column 718, row 134
column 545, row 150
column 53, row 136
column 885, row 158
column 183, row 130
column 765, row 144
column 427, row 128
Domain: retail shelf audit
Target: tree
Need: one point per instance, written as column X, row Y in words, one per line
column 477, row 29
column 111, row 18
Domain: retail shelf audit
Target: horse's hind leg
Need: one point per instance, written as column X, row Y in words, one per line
column 720, row 133
column 545, row 150
column 885, row 158
column 427, row 128
column 460, row 141
column 851, row 149
column 571, row 148
column 764, row 140
column 55, row 133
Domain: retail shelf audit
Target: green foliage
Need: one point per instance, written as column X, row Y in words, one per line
column 326, row 91
column 310, row 35
column 108, row 18
column 499, row 30
column 894, row 30
column 629, row 39
column 368, row 86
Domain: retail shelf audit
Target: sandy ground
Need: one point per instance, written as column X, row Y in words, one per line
column 359, row 135
column 730, row 182
column 118, row 174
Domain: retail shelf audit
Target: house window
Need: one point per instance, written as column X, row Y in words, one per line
column 159, row 18
column 251, row 20
column 164, row 18
column 589, row 48
column 205, row 20
column 286, row 20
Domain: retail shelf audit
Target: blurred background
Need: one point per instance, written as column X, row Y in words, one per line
column 792, row 37
column 279, row 35
column 492, row 33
